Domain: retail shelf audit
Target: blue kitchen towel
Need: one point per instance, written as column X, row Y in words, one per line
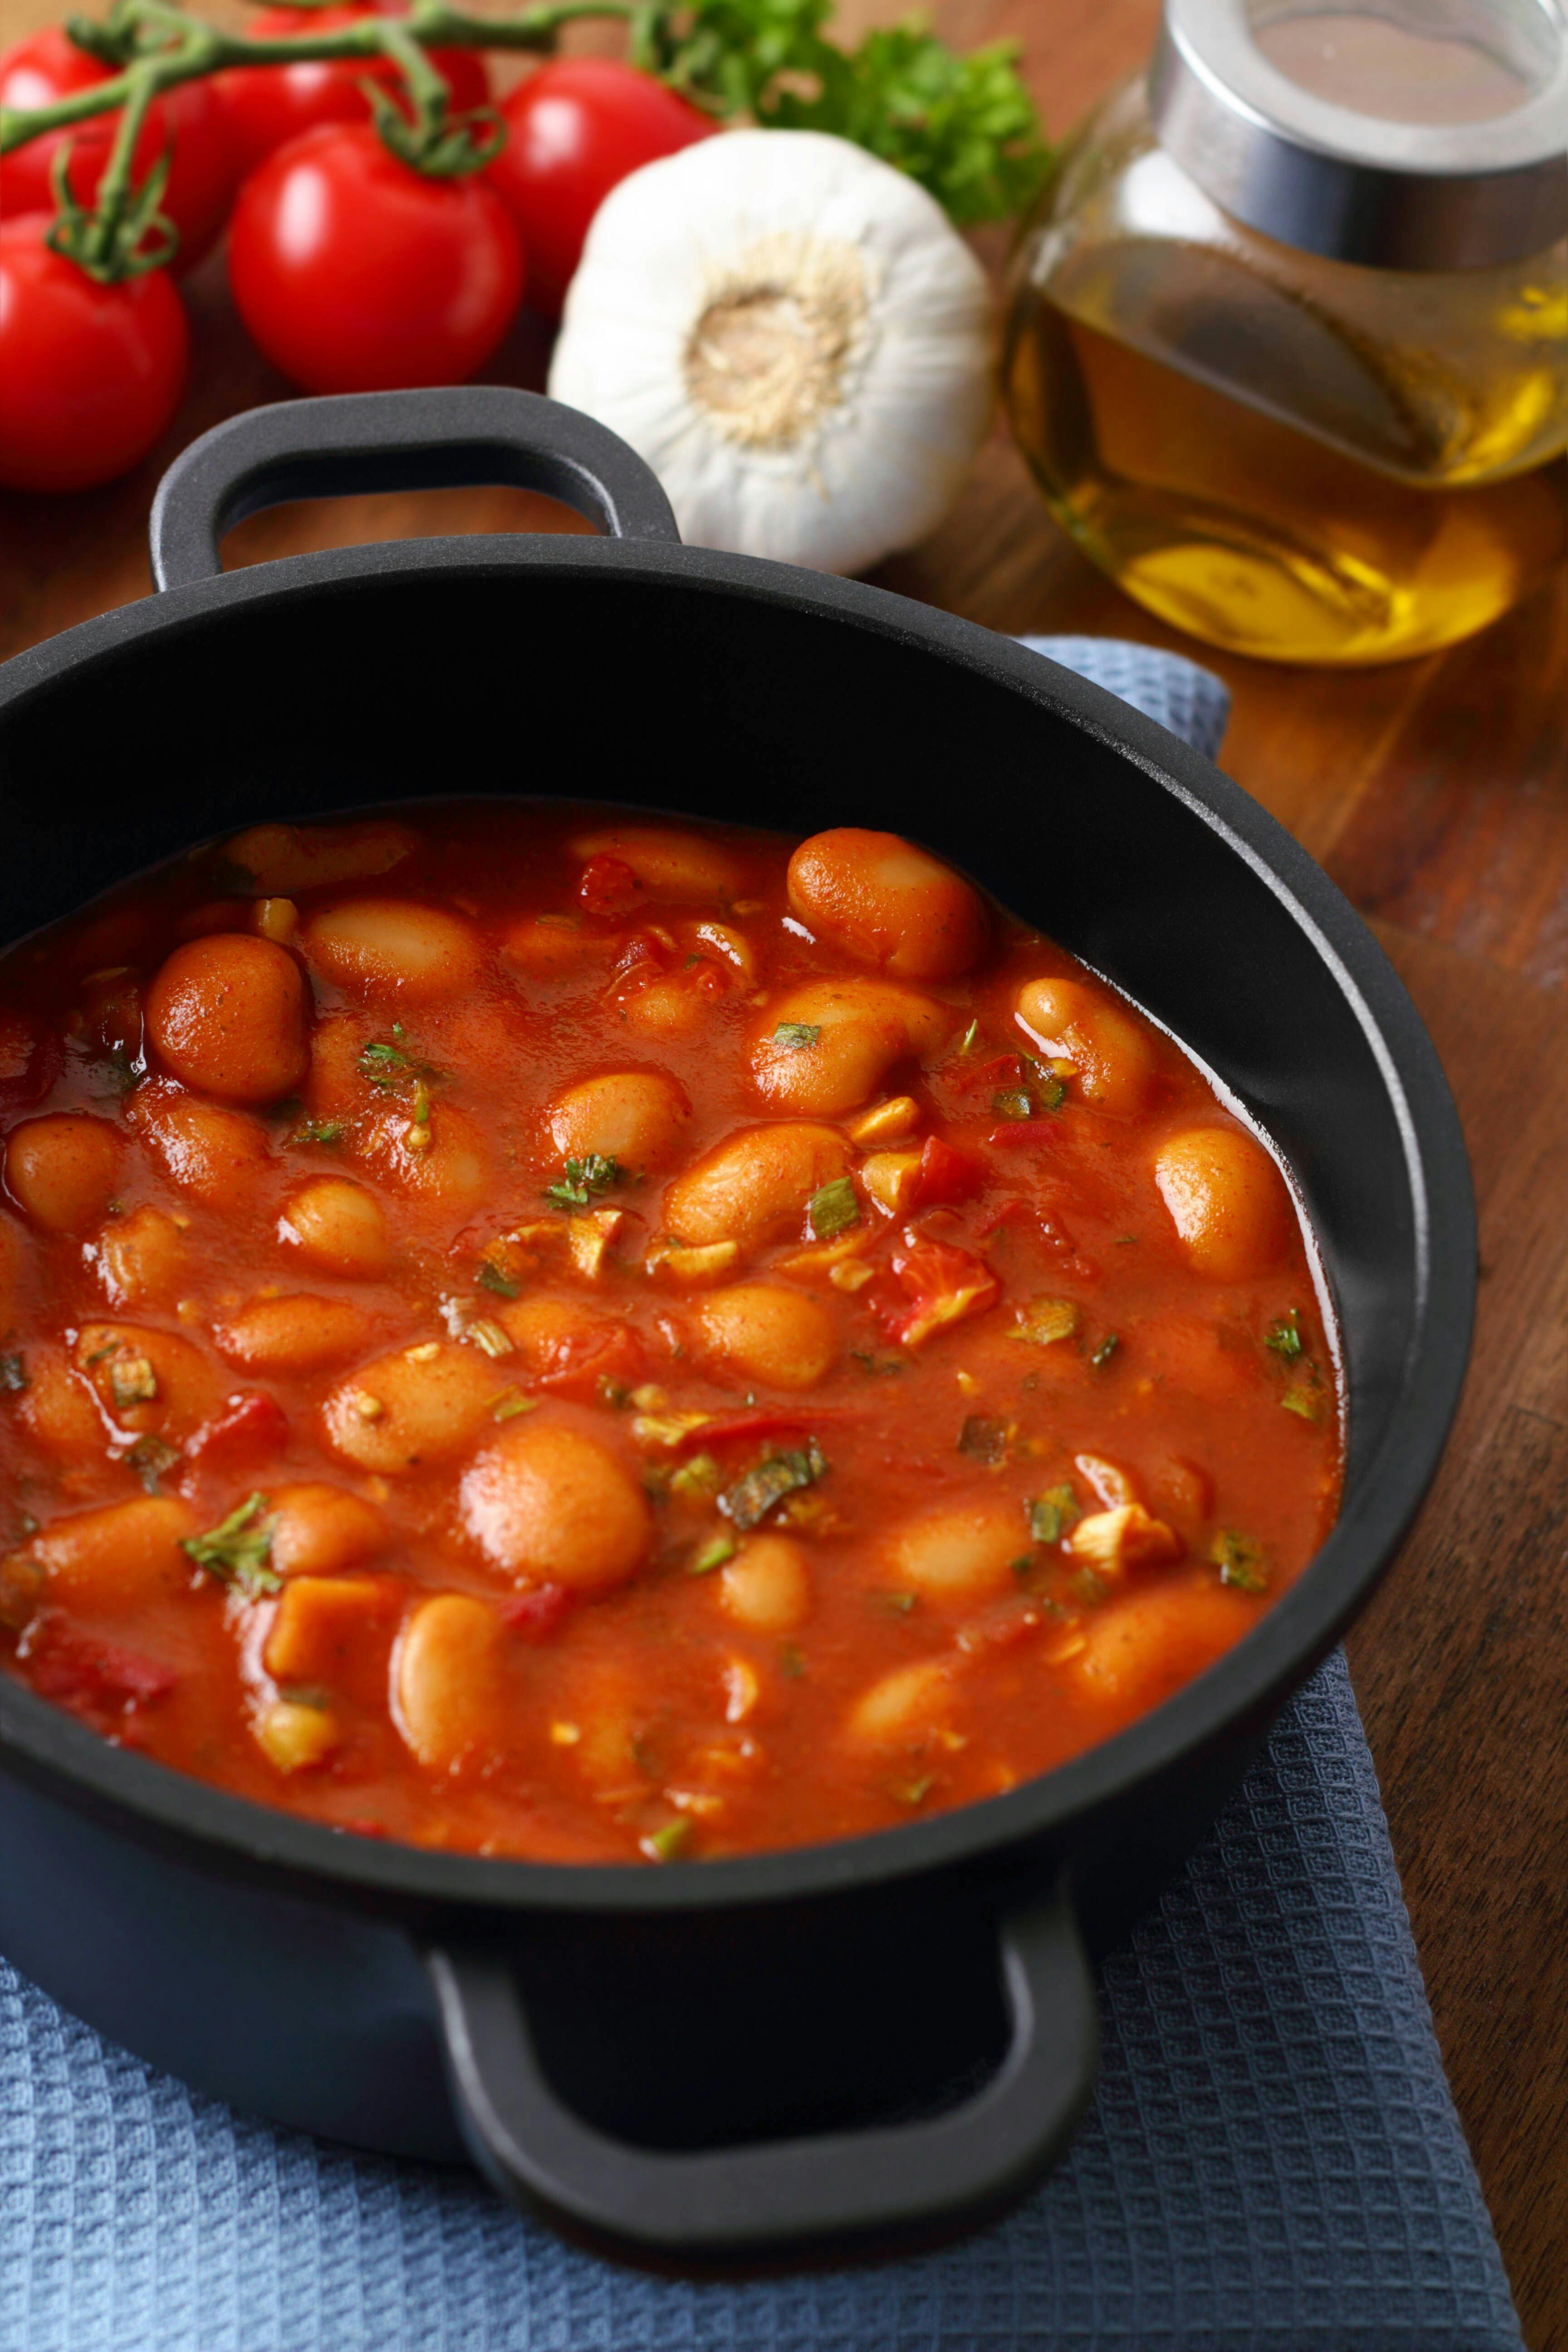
column 1272, row 2162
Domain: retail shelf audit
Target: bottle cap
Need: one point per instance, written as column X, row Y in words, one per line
column 1400, row 134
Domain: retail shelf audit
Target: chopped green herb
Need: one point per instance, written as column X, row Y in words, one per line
column 1052, row 1091
column 421, row 1103
column 1284, row 1337
column 1107, row 1348
column 584, row 1180
column 510, row 1402
column 668, row 1843
column 700, row 1476
column 1012, row 1102
column 1239, row 1559
column 750, row 1499
column 1305, row 1398
column 880, row 1365
column 900, row 1603
column 615, row 1393
column 115, row 1073
column 236, row 1550
column 985, row 1438
column 319, row 1130
column 1090, row 1589
column 149, row 1457
column 1023, row 1566
column 99, row 1355
column 490, row 1278
column 833, row 1210
column 970, row 1038
column 792, row 1660
column 712, row 1554
column 793, row 1035
column 385, row 1065
column 12, row 1373
column 1051, row 1515
column 912, row 1792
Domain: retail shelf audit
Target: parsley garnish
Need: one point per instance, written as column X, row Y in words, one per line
column 1239, row 1559
column 1051, row 1515
column 833, row 1210
column 1012, row 1102
column 490, row 1278
column 712, row 1554
column 389, row 1067
column 236, row 1550
column 319, row 1130
column 150, row 1456
column 1284, row 1337
column 750, row 1499
column 583, row 1180
column 966, row 1044
column 668, row 1843
column 985, row 1438
column 12, row 1373
column 794, row 1034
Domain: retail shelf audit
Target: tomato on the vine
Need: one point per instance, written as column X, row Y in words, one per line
column 356, row 273
column 46, row 66
column 267, row 105
column 574, row 130
column 92, row 373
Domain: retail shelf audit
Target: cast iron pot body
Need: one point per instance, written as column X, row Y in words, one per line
column 890, row 2032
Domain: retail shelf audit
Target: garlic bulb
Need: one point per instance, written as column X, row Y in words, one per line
column 792, row 336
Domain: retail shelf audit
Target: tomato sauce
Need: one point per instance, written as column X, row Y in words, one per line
column 544, row 1333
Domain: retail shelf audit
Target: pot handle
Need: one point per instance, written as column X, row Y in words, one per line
column 454, row 437
column 778, row 2193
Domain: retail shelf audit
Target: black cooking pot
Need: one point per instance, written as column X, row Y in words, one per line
column 890, row 2032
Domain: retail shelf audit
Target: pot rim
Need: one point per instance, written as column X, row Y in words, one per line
column 1247, row 1684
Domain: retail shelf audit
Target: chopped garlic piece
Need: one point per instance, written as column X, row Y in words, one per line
column 1113, row 1541
column 590, row 1235
column 889, row 1177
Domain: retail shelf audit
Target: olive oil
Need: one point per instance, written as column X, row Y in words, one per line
column 1251, row 533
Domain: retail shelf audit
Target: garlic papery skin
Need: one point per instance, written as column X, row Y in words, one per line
column 794, row 336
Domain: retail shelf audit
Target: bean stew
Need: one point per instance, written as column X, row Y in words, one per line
column 556, row 1335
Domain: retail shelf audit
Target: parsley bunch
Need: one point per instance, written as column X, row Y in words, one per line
column 964, row 127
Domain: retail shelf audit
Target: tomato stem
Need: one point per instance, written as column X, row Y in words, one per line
column 158, row 47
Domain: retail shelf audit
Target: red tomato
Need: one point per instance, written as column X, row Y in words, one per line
column 267, row 105
column 201, row 175
column 574, row 130
column 356, row 274
column 92, row 374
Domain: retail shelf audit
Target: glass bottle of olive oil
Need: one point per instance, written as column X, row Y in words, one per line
column 1280, row 450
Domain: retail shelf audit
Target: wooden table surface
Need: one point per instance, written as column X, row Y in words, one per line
column 1436, row 792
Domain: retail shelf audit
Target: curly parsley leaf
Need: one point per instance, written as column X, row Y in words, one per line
column 964, row 128
column 236, row 1550
column 584, row 1180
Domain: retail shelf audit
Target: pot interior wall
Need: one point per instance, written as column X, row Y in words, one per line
column 599, row 683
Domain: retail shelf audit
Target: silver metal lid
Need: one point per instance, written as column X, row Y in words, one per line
column 1454, row 154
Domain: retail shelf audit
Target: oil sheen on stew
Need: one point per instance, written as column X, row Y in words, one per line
column 536, row 1332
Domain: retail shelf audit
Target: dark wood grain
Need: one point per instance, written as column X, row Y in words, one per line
column 1437, row 792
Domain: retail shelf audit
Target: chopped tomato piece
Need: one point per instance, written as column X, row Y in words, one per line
column 1024, row 1134
column 29, row 1063
column 246, row 1427
column 944, row 1176
column 946, row 1284
column 535, row 1615
column 94, row 1676
column 609, row 886
column 582, row 1360
column 766, row 1421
